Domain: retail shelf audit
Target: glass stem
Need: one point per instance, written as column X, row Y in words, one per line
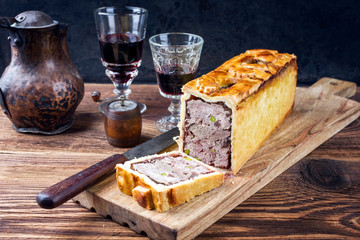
column 175, row 108
column 122, row 80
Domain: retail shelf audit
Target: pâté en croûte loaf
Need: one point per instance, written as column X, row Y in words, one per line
column 166, row 180
column 228, row 113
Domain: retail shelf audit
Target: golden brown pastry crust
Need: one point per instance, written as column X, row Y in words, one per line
column 239, row 77
column 259, row 88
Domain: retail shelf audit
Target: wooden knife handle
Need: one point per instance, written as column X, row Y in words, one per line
column 68, row 188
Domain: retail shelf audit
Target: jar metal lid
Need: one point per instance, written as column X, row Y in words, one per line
column 122, row 106
column 121, row 109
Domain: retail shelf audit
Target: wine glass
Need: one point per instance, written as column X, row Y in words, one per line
column 121, row 32
column 176, row 58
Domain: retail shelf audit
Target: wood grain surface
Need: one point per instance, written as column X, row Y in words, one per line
column 316, row 116
column 317, row 198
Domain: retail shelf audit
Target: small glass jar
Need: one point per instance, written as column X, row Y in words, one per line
column 122, row 123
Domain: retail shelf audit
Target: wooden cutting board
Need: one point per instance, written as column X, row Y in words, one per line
column 320, row 111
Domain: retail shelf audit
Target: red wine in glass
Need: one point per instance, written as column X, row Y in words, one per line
column 121, row 32
column 172, row 78
column 121, row 48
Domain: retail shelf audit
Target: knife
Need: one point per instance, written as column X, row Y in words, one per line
column 68, row 188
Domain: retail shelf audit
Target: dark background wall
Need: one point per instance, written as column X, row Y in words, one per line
column 323, row 34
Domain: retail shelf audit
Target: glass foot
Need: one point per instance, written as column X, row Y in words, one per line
column 166, row 123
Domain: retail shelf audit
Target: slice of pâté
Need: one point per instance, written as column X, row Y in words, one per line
column 163, row 181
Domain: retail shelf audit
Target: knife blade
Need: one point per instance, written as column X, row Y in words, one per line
column 68, row 188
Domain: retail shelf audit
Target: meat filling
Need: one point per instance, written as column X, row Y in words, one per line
column 170, row 170
column 207, row 132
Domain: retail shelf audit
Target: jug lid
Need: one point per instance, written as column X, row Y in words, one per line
column 33, row 19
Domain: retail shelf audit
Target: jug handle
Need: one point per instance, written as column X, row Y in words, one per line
column 63, row 28
column 3, row 104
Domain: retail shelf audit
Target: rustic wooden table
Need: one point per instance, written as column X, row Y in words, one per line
column 319, row 197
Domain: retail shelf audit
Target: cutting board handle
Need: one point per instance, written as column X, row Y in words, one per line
column 331, row 86
column 59, row 193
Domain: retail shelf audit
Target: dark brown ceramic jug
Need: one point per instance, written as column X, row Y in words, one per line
column 41, row 87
